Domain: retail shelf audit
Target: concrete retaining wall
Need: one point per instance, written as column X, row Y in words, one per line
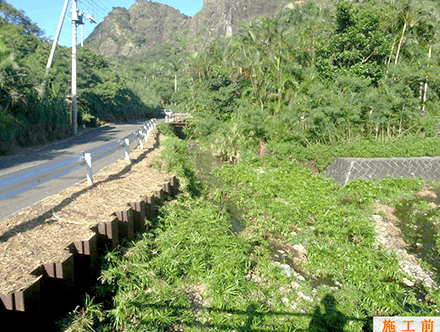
column 345, row 169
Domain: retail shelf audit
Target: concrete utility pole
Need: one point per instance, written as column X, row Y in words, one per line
column 74, row 113
column 77, row 19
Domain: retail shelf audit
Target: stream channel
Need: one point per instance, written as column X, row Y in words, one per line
column 205, row 163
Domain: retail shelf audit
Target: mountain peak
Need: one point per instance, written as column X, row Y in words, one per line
column 148, row 24
column 129, row 33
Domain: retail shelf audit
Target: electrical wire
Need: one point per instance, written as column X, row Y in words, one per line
column 102, row 11
column 98, row 6
column 94, row 10
column 105, row 6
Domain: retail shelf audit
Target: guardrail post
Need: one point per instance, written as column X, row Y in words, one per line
column 20, row 181
column 88, row 158
column 145, row 133
column 127, row 149
column 141, row 142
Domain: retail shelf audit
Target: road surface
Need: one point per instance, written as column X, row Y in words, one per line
column 85, row 141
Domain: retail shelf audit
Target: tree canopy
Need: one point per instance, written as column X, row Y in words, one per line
column 319, row 73
column 33, row 107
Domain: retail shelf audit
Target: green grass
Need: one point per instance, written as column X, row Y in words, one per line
column 324, row 154
column 193, row 272
column 282, row 202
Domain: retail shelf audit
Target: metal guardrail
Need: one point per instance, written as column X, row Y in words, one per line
column 17, row 182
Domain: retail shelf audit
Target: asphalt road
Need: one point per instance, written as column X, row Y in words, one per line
column 84, row 141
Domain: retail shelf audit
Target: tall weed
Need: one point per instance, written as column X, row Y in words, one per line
column 304, row 257
column 324, row 154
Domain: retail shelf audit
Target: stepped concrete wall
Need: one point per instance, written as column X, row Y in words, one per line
column 344, row 169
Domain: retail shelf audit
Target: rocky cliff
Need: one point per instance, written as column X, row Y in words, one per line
column 129, row 33
column 221, row 17
column 146, row 25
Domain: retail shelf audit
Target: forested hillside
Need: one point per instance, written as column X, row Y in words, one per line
column 33, row 109
column 319, row 74
column 128, row 34
column 153, row 41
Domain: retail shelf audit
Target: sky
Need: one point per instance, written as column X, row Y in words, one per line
column 46, row 13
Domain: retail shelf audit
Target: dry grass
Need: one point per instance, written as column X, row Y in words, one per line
column 42, row 233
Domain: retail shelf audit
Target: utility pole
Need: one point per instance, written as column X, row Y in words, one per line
column 76, row 19
column 82, row 35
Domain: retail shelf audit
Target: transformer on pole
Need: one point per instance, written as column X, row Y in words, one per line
column 77, row 19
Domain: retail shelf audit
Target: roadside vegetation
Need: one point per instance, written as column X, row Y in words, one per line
column 264, row 245
column 321, row 77
column 255, row 241
column 33, row 107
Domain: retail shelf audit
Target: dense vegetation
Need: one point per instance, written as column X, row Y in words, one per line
column 264, row 245
column 358, row 70
column 259, row 243
column 32, row 103
column 162, row 79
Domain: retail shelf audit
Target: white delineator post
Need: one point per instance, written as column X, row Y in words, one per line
column 141, row 139
column 145, row 131
column 88, row 158
column 127, row 149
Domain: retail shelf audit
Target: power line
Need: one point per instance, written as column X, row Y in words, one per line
column 88, row 8
column 105, row 6
column 103, row 11
column 95, row 10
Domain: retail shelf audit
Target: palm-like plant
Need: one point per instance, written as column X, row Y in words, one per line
column 12, row 78
column 412, row 17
